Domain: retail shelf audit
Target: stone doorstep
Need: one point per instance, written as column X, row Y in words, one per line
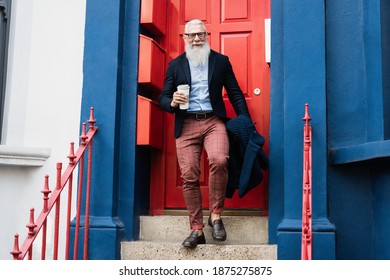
column 143, row 250
column 174, row 229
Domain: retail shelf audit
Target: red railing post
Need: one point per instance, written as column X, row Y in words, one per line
column 16, row 251
column 57, row 212
column 83, row 138
column 71, row 157
column 91, row 120
column 31, row 231
column 91, row 123
column 306, row 249
column 46, row 191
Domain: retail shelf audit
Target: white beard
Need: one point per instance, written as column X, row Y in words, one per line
column 198, row 56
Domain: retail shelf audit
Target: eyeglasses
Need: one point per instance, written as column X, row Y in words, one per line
column 191, row 36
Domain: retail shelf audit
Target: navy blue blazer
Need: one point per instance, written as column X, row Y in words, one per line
column 220, row 75
column 247, row 158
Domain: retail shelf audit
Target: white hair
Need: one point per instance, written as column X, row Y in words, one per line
column 194, row 22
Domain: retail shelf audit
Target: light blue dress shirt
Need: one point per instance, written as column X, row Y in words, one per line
column 199, row 100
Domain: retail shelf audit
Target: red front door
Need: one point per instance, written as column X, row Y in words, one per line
column 236, row 29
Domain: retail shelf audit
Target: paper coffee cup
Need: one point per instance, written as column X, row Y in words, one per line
column 185, row 89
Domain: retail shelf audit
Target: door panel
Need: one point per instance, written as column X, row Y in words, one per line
column 196, row 9
column 236, row 29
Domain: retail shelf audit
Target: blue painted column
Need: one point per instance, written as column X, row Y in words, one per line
column 298, row 76
column 110, row 86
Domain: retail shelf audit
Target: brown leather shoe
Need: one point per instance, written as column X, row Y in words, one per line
column 218, row 230
column 193, row 240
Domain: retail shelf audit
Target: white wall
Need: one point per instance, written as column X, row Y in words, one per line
column 43, row 98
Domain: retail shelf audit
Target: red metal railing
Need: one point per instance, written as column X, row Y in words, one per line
column 306, row 251
column 62, row 180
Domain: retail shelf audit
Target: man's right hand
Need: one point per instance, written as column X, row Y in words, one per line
column 178, row 98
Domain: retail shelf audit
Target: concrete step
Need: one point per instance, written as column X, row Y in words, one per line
column 146, row 250
column 161, row 238
column 174, row 229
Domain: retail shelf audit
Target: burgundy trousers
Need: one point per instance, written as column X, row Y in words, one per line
column 211, row 135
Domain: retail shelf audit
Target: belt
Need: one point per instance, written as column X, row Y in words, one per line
column 199, row 116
